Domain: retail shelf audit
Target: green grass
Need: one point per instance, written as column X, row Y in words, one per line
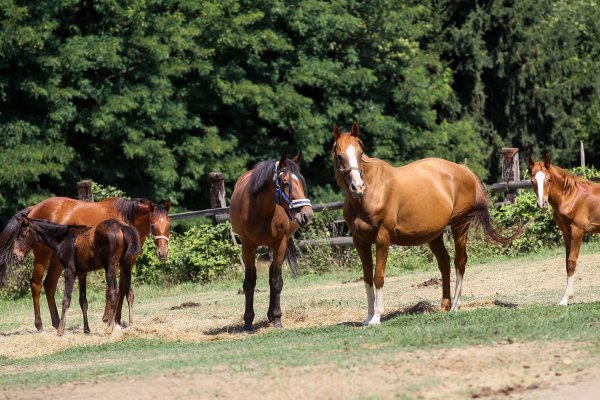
column 341, row 345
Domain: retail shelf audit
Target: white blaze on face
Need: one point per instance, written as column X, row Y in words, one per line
column 353, row 160
column 540, row 177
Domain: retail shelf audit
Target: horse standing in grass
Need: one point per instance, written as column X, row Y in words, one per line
column 268, row 205
column 80, row 249
column 145, row 216
column 408, row 206
column 575, row 207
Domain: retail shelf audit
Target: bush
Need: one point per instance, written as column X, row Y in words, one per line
column 18, row 280
column 201, row 254
column 103, row 192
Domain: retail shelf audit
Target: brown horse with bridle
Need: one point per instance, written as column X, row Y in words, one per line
column 146, row 217
column 268, row 204
column 408, row 206
column 81, row 249
column 575, row 207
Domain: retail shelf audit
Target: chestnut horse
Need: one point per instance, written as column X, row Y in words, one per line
column 575, row 207
column 268, row 205
column 146, row 217
column 80, row 249
column 407, row 206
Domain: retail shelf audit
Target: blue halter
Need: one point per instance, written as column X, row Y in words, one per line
column 280, row 194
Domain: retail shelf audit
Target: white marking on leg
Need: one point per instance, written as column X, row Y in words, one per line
column 457, row 291
column 540, row 177
column 568, row 291
column 376, row 320
column 370, row 304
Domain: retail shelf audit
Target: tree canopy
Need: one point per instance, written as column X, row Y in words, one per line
column 149, row 95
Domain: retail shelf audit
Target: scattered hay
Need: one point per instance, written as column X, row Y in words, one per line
column 353, row 280
column 437, row 282
column 421, row 307
column 187, row 304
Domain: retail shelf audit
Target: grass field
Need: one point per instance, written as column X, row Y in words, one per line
column 509, row 340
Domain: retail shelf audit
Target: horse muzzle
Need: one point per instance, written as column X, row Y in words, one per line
column 543, row 204
column 304, row 217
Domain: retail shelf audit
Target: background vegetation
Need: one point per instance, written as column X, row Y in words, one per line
column 149, row 96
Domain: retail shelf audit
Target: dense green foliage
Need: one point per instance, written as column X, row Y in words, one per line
column 201, row 254
column 149, row 96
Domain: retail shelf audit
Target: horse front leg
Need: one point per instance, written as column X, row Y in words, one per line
column 55, row 270
column 248, row 257
column 83, row 303
column 366, row 259
column 66, row 303
column 276, row 284
column 382, row 246
column 572, row 246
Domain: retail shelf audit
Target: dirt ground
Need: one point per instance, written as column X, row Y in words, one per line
column 549, row 370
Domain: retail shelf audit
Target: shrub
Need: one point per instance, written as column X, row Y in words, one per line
column 102, row 192
column 18, row 280
column 201, row 254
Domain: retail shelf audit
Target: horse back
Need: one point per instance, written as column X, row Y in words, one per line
column 63, row 210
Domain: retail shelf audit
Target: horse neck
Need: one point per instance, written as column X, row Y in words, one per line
column 142, row 224
column 266, row 198
column 53, row 236
column 557, row 194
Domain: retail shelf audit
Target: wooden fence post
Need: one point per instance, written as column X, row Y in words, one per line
column 510, row 170
column 217, row 190
column 581, row 154
column 84, row 190
column 217, row 200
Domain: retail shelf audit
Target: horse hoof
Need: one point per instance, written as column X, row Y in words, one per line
column 87, row 331
column 248, row 329
column 277, row 324
column 446, row 305
column 374, row 321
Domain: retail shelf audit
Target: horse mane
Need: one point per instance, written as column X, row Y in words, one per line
column 127, row 209
column 262, row 175
column 571, row 182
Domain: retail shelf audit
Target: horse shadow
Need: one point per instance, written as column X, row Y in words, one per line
column 421, row 307
column 237, row 328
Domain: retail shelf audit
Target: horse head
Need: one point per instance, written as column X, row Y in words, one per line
column 290, row 190
column 347, row 158
column 541, row 180
column 160, row 228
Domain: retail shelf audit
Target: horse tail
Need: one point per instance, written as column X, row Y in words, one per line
column 479, row 213
column 292, row 257
column 132, row 240
column 7, row 238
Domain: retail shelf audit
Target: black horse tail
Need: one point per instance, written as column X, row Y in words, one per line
column 480, row 214
column 292, row 257
column 132, row 240
column 7, row 239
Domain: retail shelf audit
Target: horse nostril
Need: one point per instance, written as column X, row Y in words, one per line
column 353, row 187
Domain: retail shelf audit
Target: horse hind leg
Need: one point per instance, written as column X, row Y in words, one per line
column 460, row 261
column 443, row 259
column 113, row 293
column 42, row 256
column 83, row 303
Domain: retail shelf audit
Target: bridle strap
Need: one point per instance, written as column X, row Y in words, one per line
column 344, row 171
column 160, row 237
column 280, row 195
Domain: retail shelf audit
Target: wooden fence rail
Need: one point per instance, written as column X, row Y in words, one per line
column 223, row 212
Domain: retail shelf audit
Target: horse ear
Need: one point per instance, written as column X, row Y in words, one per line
column 531, row 162
column 336, row 132
column 283, row 161
column 297, row 158
column 547, row 161
column 167, row 205
column 355, row 129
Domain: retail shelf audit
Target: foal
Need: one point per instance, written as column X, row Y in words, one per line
column 80, row 250
column 575, row 207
